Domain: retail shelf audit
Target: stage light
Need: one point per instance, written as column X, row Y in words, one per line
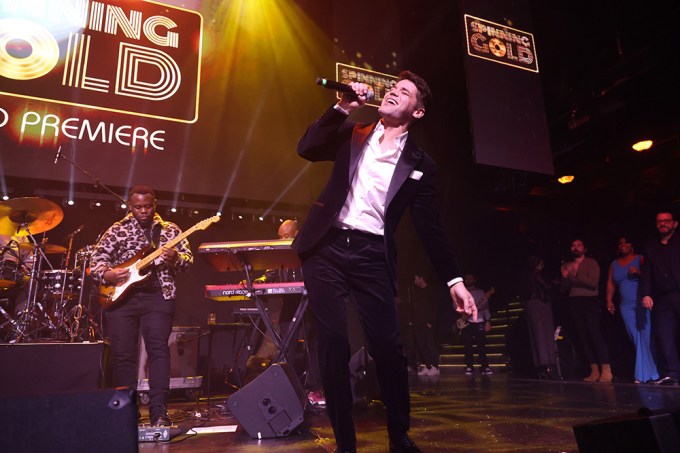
column 68, row 202
column 173, row 210
column 261, row 219
column 95, row 204
column 566, row 179
column 5, row 197
column 218, row 214
column 642, row 145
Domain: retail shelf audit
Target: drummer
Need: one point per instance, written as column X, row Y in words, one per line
column 16, row 262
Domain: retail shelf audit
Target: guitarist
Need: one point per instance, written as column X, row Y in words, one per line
column 147, row 306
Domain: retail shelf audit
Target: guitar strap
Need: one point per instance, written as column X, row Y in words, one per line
column 153, row 235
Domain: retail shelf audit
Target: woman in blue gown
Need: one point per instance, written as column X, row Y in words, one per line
column 624, row 276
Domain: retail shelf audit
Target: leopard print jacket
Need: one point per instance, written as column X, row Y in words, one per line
column 126, row 238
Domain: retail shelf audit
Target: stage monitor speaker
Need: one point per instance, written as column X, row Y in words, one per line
column 271, row 405
column 647, row 431
column 102, row 421
column 34, row 368
column 363, row 378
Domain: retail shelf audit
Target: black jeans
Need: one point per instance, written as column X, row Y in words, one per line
column 351, row 266
column 151, row 314
column 475, row 333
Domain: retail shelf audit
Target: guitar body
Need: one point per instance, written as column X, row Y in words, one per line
column 110, row 294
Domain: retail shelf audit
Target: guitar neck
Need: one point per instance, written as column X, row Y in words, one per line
column 142, row 263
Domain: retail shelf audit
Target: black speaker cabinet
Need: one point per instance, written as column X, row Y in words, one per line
column 32, row 368
column 647, row 431
column 102, row 421
column 271, row 405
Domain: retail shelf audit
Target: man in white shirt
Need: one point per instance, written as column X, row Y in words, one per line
column 348, row 249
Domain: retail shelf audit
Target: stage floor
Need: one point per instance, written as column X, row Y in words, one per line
column 449, row 414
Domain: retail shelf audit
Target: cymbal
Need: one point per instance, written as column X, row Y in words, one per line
column 38, row 214
column 47, row 248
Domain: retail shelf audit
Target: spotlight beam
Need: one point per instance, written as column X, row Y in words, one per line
column 287, row 188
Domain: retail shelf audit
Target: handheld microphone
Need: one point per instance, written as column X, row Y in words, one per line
column 342, row 87
column 56, row 158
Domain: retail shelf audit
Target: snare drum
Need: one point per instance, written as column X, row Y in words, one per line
column 10, row 273
column 54, row 281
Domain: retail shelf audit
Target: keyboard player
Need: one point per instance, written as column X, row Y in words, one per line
column 281, row 311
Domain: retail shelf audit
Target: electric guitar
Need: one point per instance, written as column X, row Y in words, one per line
column 111, row 293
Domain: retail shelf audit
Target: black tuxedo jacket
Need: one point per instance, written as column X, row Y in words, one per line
column 650, row 264
column 331, row 138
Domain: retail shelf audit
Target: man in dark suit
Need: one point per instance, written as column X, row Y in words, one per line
column 660, row 291
column 348, row 249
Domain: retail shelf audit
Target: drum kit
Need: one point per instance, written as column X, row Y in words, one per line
column 49, row 303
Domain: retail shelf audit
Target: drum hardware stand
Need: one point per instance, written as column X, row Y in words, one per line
column 26, row 317
column 9, row 319
column 61, row 304
column 79, row 312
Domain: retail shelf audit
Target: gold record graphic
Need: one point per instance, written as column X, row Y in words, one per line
column 44, row 53
column 497, row 47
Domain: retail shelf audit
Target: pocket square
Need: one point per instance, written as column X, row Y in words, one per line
column 415, row 174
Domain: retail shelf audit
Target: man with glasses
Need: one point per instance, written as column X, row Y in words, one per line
column 660, row 291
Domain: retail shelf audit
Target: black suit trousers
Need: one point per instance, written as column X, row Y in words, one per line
column 666, row 331
column 351, row 266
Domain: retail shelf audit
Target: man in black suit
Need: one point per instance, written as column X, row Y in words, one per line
column 660, row 291
column 348, row 249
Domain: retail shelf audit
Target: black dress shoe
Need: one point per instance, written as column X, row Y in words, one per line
column 161, row 421
column 404, row 445
column 158, row 416
column 666, row 380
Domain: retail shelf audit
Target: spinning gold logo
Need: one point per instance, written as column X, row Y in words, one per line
column 140, row 58
column 500, row 44
column 379, row 82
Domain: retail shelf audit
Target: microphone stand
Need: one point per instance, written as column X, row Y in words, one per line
column 97, row 181
column 25, row 318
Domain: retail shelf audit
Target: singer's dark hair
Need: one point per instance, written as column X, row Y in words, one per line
column 424, row 94
column 142, row 190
